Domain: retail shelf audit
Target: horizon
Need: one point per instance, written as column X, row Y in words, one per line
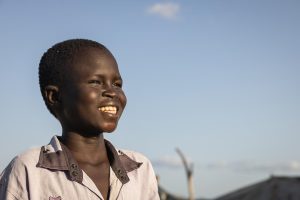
column 217, row 79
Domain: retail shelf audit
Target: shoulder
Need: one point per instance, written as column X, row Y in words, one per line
column 27, row 158
column 136, row 156
column 142, row 177
column 13, row 178
column 143, row 164
column 21, row 164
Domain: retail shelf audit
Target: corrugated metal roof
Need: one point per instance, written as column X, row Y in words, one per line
column 275, row 188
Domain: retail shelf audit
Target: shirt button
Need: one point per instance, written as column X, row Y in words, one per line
column 119, row 171
column 74, row 173
column 73, row 166
column 124, row 178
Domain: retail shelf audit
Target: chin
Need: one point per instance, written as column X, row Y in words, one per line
column 109, row 128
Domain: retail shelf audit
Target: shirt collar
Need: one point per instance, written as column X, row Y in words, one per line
column 56, row 156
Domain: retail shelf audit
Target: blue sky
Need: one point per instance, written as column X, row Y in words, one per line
column 217, row 78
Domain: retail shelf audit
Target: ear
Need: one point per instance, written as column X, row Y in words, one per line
column 52, row 95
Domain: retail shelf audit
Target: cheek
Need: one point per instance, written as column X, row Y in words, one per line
column 88, row 100
column 92, row 95
column 123, row 99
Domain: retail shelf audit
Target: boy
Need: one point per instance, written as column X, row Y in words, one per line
column 82, row 87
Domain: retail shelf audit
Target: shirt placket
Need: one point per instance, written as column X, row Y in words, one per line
column 90, row 185
column 115, row 186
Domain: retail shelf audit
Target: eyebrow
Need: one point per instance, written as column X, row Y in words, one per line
column 116, row 78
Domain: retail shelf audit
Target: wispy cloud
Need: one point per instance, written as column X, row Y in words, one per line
column 166, row 10
column 237, row 166
column 168, row 161
column 246, row 166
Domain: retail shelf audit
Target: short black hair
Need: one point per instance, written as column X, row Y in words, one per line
column 59, row 57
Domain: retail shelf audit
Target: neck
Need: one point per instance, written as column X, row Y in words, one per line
column 86, row 149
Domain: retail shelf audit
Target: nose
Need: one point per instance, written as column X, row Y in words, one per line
column 109, row 92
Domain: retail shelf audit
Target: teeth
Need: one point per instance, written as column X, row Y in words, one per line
column 109, row 109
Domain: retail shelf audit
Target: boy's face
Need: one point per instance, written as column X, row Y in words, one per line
column 92, row 99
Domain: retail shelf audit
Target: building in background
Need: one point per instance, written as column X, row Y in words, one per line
column 274, row 188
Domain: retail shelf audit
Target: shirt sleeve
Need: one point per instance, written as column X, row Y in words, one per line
column 153, row 192
column 149, row 184
column 13, row 181
column 143, row 182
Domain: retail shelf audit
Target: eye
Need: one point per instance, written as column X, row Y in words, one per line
column 95, row 82
column 118, row 84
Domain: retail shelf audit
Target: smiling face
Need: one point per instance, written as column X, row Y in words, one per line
column 91, row 96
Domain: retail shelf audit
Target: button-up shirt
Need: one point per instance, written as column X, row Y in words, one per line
column 51, row 173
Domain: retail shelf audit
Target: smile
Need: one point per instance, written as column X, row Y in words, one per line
column 108, row 109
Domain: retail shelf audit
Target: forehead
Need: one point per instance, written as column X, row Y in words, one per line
column 91, row 61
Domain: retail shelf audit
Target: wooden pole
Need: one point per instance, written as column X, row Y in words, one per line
column 189, row 174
